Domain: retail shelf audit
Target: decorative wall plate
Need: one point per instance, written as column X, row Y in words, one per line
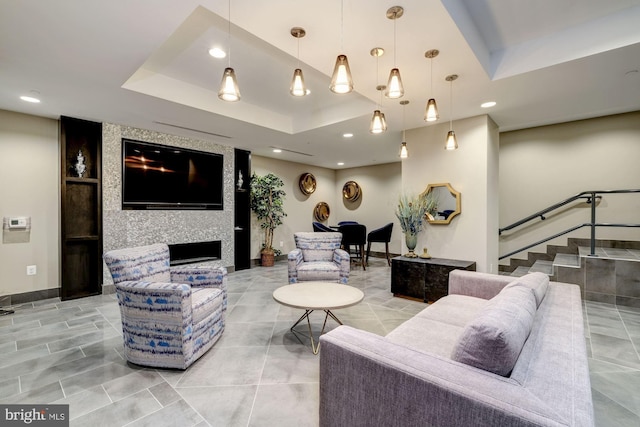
column 307, row 183
column 351, row 191
column 321, row 211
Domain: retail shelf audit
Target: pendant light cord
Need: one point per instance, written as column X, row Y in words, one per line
column 403, row 124
column 342, row 26
column 395, row 44
column 431, row 74
column 451, row 106
column 229, row 33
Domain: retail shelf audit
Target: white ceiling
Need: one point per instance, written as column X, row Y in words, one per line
column 144, row 63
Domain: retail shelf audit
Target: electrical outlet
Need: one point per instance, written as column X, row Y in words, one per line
column 31, row 270
column 281, row 244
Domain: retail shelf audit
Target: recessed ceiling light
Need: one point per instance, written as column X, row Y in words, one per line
column 32, row 97
column 488, row 104
column 277, row 150
column 340, row 163
column 347, row 135
column 216, row 52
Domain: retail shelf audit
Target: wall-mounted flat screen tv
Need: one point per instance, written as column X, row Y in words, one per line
column 161, row 177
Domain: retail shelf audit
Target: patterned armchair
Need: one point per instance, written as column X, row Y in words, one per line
column 170, row 315
column 318, row 257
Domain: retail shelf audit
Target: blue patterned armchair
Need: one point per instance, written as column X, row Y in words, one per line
column 318, row 257
column 170, row 315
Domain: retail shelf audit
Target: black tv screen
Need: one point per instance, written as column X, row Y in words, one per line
column 161, row 177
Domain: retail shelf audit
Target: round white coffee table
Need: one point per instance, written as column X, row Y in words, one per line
column 311, row 296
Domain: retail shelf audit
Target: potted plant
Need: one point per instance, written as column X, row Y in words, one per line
column 266, row 201
column 411, row 213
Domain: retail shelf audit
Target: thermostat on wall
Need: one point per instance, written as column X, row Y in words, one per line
column 18, row 222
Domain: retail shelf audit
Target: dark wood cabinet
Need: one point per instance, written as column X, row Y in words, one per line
column 424, row 279
column 242, row 212
column 81, row 208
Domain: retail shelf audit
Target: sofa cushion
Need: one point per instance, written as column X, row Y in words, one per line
column 456, row 310
column 493, row 340
column 318, row 271
column 427, row 336
column 538, row 282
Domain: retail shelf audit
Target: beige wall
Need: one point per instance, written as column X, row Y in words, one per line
column 471, row 170
column 545, row 165
column 298, row 207
column 380, row 186
column 29, row 186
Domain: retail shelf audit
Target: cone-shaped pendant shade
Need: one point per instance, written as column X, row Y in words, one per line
column 298, row 87
column 395, row 89
column 229, row 90
column 403, row 150
column 341, row 81
column 431, row 111
column 378, row 122
column 452, row 142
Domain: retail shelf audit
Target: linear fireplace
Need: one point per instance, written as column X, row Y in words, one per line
column 189, row 253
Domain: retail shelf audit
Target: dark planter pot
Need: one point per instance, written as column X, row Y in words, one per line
column 267, row 259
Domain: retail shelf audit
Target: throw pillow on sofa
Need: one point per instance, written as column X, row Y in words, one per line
column 492, row 341
column 538, row 282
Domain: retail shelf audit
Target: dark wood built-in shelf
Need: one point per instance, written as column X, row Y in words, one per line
column 81, row 212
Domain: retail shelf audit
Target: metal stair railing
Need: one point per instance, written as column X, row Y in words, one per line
column 590, row 196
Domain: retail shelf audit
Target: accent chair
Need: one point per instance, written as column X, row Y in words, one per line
column 354, row 235
column 318, row 257
column 170, row 315
column 380, row 235
column 319, row 227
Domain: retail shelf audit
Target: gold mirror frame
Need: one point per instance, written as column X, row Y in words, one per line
column 455, row 195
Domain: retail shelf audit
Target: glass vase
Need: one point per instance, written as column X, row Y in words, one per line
column 411, row 240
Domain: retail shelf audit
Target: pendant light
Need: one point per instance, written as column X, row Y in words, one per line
column 452, row 142
column 298, row 87
column 404, row 153
column 378, row 121
column 229, row 90
column 341, row 80
column 431, row 110
column 395, row 88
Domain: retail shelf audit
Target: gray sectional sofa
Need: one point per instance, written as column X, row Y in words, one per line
column 494, row 352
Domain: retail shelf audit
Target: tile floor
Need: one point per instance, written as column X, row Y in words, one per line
column 258, row 374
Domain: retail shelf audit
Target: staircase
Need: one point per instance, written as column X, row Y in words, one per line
column 610, row 277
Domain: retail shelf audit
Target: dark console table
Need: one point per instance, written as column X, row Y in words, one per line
column 424, row 279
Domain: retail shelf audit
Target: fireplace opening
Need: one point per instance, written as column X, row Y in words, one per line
column 189, row 253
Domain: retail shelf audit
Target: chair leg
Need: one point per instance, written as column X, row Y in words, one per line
column 368, row 251
column 386, row 248
column 364, row 264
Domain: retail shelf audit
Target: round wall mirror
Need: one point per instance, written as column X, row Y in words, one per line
column 447, row 201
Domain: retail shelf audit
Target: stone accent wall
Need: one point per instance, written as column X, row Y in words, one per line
column 126, row 228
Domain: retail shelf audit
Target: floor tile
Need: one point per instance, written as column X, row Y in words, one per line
column 228, row 406
column 177, row 414
column 120, row 413
column 301, row 409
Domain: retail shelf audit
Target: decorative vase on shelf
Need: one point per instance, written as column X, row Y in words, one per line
column 411, row 240
column 80, row 166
